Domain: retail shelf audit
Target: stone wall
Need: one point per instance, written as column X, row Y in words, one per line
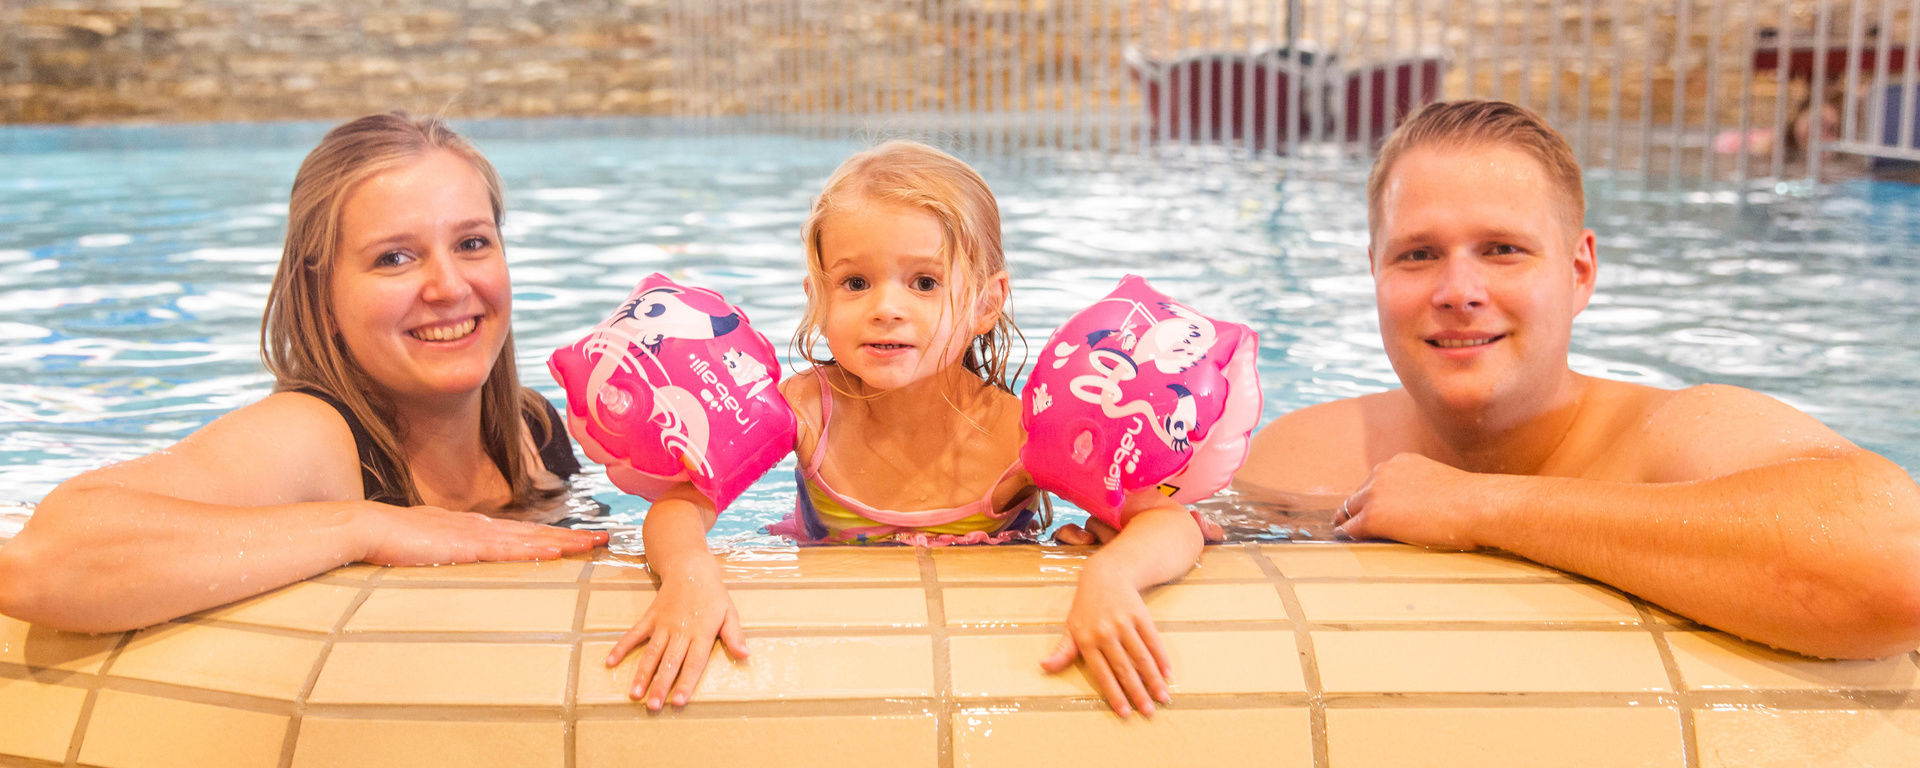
column 191, row 60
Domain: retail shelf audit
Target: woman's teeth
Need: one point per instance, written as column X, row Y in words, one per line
column 446, row 332
column 1456, row 343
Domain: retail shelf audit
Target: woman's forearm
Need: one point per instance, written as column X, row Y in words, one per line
column 106, row 559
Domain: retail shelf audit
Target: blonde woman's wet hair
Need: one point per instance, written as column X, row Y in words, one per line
column 300, row 340
column 918, row 176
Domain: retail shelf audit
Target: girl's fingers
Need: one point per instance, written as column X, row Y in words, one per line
column 1146, row 667
column 1150, row 637
column 1103, row 682
column 664, row 674
column 697, row 655
column 1062, row 656
column 1127, row 675
column 731, row 636
column 641, row 630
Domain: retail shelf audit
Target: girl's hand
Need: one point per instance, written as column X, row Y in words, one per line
column 1112, row 633
column 679, row 629
column 434, row 536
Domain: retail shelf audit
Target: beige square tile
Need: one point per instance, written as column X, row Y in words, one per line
column 37, row 719
column 996, row 606
column 1396, row 561
column 391, row 609
column 221, row 659
column 1715, row 661
column 444, row 673
column 1032, row 562
column 328, row 742
column 1488, row 662
column 784, row 668
column 1257, row 661
column 616, row 610
column 36, row 646
column 307, row 605
column 878, row 741
column 129, row 730
column 1585, row 737
column 1747, row 737
column 1441, row 601
column 565, row 569
column 1268, row 738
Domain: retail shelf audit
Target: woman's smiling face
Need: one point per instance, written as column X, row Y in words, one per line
column 419, row 284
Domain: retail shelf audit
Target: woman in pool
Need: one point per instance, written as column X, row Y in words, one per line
column 398, row 432
column 910, row 431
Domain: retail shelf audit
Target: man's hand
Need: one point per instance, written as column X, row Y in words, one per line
column 1417, row 500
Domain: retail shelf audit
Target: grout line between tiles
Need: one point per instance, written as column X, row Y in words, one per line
column 1309, row 661
column 93, row 696
column 570, row 703
column 1689, row 746
column 374, row 578
column 944, row 704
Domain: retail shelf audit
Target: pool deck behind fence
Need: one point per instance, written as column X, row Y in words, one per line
column 1288, row 654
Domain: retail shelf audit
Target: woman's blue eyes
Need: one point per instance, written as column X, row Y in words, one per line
column 397, row 258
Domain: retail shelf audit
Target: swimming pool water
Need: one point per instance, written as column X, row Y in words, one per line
column 132, row 279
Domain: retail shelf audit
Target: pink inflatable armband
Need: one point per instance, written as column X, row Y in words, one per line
column 1140, row 392
column 673, row 387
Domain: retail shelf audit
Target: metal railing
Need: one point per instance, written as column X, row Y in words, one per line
column 1682, row 91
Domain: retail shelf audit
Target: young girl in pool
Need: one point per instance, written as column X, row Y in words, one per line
column 910, row 430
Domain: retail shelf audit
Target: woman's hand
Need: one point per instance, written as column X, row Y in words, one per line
column 691, row 609
column 1110, row 630
column 433, row 536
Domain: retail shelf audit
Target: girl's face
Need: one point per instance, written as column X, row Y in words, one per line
column 419, row 285
column 892, row 299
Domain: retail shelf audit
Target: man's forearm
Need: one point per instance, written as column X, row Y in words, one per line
column 1820, row 556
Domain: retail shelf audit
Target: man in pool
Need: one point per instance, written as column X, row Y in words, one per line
column 1717, row 502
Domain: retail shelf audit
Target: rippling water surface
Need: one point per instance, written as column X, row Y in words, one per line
column 131, row 281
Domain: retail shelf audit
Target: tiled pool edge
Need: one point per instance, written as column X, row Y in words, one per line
column 1529, row 659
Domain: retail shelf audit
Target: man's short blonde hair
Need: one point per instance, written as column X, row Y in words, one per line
column 1474, row 123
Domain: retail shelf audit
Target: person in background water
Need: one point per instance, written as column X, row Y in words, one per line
column 398, row 432
column 910, row 432
column 1722, row 504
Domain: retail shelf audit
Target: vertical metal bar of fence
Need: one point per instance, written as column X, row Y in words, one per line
column 1498, row 55
column 1676, row 130
column 1816, row 112
column 1245, row 67
column 1856, row 47
column 1301, row 85
column 1467, row 50
column 1783, row 64
column 1906, row 86
column 1524, row 72
column 1615, row 95
column 1883, row 48
column 1646, row 97
column 1585, row 109
column 1203, row 91
column 1749, row 45
column 1553, row 64
column 1011, row 58
column 1716, row 22
column 1391, row 60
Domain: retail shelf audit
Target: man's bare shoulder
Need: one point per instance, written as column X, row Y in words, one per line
column 1326, row 448
column 1710, row 430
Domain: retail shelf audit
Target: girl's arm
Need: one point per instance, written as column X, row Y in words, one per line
column 262, row 497
column 691, row 609
column 1109, row 627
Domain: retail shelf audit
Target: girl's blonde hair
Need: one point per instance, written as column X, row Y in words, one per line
column 916, row 175
column 300, row 340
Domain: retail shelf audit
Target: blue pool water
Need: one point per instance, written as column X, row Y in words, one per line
column 134, row 264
